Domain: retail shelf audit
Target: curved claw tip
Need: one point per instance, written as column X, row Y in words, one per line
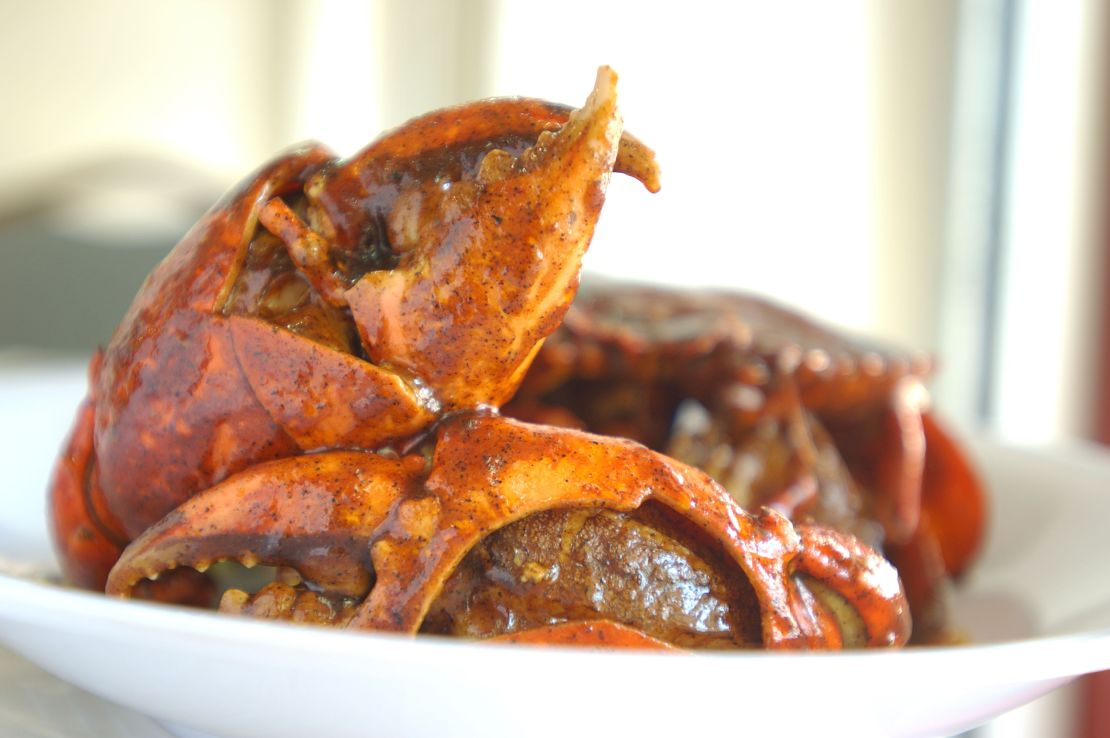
column 602, row 101
column 605, row 85
column 633, row 157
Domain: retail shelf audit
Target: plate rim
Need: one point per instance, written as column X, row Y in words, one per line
column 47, row 605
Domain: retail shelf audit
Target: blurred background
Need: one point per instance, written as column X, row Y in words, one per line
column 931, row 173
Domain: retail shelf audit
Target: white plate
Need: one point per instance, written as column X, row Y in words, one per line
column 1038, row 607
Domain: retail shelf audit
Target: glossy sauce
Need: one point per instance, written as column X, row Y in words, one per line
column 270, row 288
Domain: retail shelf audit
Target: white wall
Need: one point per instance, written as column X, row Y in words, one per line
column 176, row 78
column 805, row 145
column 759, row 114
column 764, row 117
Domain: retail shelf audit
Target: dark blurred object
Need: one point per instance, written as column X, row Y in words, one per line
column 76, row 246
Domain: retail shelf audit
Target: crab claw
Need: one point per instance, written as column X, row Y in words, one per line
column 490, row 472
column 953, row 518
column 487, row 234
column 514, row 527
column 490, row 266
column 954, row 506
column 313, row 513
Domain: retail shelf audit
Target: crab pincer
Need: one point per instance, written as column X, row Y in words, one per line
column 487, row 263
column 507, row 528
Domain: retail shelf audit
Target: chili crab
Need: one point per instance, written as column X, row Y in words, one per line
column 781, row 410
column 505, row 528
column 310, row 380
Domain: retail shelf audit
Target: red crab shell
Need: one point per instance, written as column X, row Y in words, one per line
column 309, row 381
column 411, row 543
column 780, row 409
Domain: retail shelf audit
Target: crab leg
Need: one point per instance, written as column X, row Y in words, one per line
column 954, row 507
column 360, row 525
column 535, row 468
column 865, row 581
column 953, row 515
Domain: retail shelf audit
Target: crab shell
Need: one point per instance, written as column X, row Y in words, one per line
column 389, row 533
column 791, row 414
column 480, row 215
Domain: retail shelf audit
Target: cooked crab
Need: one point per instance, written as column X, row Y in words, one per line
column 502, row 527
column 779, row 409
column 310, row 381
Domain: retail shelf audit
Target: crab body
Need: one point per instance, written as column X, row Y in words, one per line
column 781, row 410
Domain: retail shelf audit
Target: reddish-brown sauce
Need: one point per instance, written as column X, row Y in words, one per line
column 270, row 287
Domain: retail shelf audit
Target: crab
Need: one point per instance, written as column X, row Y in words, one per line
column 310, row 380
column 504, row 529
column 783, row 411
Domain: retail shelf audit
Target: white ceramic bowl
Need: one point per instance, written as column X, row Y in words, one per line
column 1037, row 607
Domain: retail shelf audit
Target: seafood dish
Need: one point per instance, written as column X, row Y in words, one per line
column 783, row 412
column 374, row 381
